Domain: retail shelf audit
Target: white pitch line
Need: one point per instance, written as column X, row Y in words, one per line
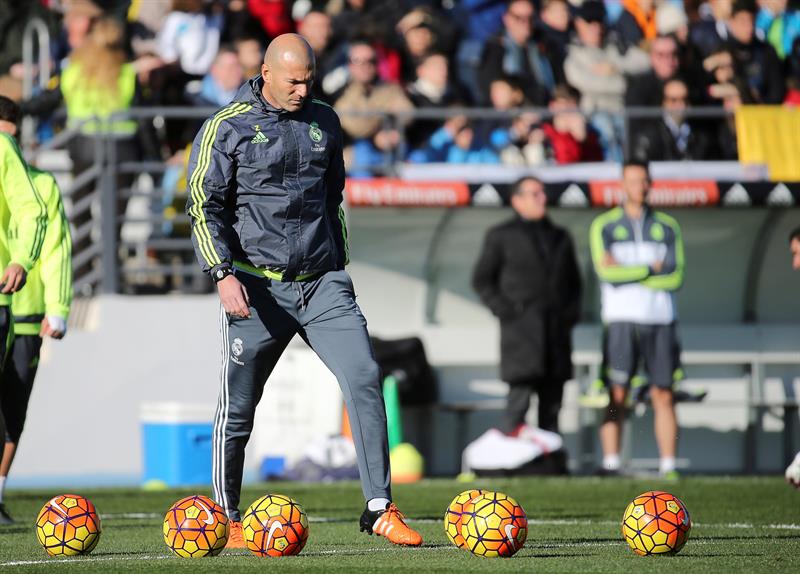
column 82, row 559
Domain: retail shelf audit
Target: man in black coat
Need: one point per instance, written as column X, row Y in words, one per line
column 527, row 275
column 673, row 137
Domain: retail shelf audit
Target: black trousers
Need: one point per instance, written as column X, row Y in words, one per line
column 17, row 383
column 549, row 392
column 5, row 343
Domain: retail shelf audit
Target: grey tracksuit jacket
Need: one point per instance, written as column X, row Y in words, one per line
column 287, row 215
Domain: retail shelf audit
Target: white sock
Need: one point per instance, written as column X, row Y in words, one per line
column 667, row 464
column 611, row 462
column 2, row 488
column 378, row 504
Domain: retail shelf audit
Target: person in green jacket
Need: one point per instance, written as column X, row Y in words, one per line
column 19, row 201
column 39, row 309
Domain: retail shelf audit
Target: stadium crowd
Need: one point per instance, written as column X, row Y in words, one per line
column 580, row 64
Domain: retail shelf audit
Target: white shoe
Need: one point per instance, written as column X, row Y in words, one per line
column 793, row 472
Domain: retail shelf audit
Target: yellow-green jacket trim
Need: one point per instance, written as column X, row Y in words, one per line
column 269, row 273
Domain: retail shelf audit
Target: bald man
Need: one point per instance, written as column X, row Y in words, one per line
column 265, row 181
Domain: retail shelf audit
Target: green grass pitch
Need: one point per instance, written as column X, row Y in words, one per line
column 740, row 525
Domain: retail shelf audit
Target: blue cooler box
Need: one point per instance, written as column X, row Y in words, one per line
column 176, row 443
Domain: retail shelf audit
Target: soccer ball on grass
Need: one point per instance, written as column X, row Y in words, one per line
column 68, row 525
column 275, row 525
column 656, row 522
column 195, row 527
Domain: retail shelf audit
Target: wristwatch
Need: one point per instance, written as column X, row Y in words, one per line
column 221, row 273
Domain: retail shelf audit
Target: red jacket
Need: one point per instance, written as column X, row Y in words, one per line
column 273, row 16
column 566, row 149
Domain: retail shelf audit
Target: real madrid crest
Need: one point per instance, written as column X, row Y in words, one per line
column 237, row 347
column 315, row 133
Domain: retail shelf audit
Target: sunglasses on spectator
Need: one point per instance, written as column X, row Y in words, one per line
column 676, row 99
column 665, row 53
column 363, row 61
column 527, row 17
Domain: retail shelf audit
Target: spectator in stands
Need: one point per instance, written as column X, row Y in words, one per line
column 673, row 137
column 638, row 256
column 346, row 20
column 709, row 34
column 516, row 53
column 331, row 75
column 455, row 142
column 220, row 84
column 145, row 21
column 238, row 21
column 432, row 88
column 527, row 275
column 731, row 95
column 793, row 80
column 554, row 27
column 417, row 31
column 645, row 89
column 480, row 20
column 597, row 69
column 757, row 60
column 567, row 136
column 186, row 45
column 371, row 139
column 520, row 140
column 273, row 16
column 671, row 20
column 721, row 72
column 636, row 24
column 778, row 26
column 78, row 19
column 97, row 83
column 251, row 55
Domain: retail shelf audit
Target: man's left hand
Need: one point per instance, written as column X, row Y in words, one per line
column 55, row 329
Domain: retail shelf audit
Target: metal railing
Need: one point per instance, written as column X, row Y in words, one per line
column 35, row 29
column 163, row 258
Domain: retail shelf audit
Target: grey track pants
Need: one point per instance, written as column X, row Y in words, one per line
column 324, row 312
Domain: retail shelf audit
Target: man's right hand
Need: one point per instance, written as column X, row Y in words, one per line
column 13, row 279
column 234, row 297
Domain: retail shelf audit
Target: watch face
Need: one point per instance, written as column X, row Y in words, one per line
column 220, row 274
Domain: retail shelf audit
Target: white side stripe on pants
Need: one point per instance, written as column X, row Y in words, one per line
column 221, row 419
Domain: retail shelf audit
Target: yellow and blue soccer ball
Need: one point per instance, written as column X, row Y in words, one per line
column 68, row 525
column 493, row 525
column 195, row 527
column 275, row 525
column 656, row 522
column 452, row 516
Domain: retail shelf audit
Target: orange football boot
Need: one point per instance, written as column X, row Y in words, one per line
column 389, row 524
column 235, row 535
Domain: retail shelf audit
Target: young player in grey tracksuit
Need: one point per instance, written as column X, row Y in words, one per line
column 265, row 180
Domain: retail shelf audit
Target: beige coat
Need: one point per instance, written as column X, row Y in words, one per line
column 605, row 93
column 357, row 98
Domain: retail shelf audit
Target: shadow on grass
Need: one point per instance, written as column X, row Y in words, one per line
column 16, row 529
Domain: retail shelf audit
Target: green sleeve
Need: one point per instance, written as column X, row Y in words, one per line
column 56, row 259
column 27, row 209
column 670, row 278
column 611, row 273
